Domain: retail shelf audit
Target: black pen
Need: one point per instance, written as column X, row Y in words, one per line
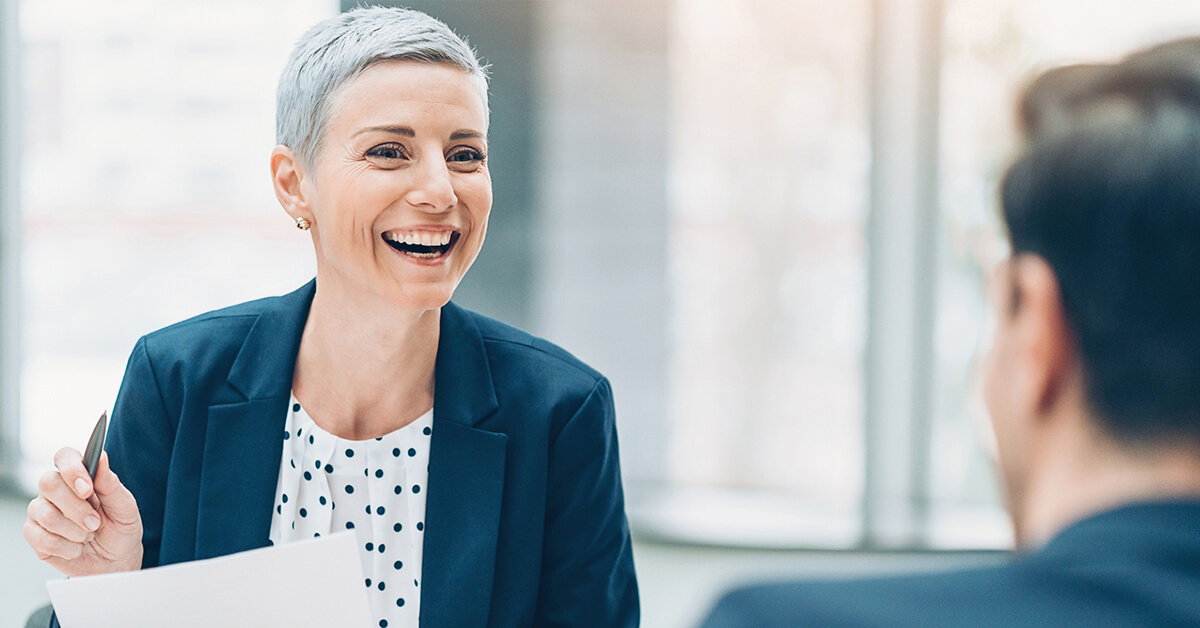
column 91, row 455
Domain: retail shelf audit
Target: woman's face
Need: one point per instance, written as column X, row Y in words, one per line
column 401, row 192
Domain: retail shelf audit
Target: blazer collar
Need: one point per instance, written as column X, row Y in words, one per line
column 463, row 390
column 266, row 363
column 1162, row 528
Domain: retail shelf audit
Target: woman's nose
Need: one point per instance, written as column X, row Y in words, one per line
column 432, row 188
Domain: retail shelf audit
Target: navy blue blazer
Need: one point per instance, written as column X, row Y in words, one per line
column 1138, row 565
column 525, row 518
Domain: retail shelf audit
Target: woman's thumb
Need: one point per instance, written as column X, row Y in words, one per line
column 117, row 501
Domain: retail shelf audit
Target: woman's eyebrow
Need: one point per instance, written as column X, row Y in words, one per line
column 408, row 132
column 397, row 130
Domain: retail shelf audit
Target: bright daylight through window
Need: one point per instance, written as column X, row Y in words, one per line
column 145, row 199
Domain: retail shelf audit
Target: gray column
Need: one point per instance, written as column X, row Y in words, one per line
column 902, row 269
column 602, row 273
column 10, row 233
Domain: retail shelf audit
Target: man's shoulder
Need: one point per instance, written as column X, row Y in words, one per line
column 946, row 598
column 1020, row 592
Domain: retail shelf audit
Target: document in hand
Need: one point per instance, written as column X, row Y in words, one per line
column 316, row 583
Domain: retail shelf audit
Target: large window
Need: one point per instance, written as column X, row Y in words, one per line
column 146, row 195
column 697, row 196
column 769, row 162
column 772, row 129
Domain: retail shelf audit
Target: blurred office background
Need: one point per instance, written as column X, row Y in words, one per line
column 768, row 221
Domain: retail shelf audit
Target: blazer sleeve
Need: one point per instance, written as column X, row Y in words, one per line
column 587, row 562
column 139, row 444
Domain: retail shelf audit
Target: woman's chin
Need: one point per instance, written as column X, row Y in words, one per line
column 419, row 297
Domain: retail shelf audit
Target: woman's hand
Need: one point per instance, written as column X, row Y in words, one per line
column 81, row 527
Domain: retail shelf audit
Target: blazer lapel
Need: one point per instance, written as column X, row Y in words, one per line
column 242, row 449
column 244, row 441
column 466, row 481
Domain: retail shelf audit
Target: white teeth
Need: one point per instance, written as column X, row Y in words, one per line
column 423, row 238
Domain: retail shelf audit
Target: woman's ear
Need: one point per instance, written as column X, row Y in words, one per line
column 287, row 175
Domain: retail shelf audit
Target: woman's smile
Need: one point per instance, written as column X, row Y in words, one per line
column 423, row 246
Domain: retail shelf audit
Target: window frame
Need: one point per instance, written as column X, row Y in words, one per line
column 902, row 276
column 10, row 242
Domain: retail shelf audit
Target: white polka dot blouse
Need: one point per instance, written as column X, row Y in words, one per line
column 375, row 487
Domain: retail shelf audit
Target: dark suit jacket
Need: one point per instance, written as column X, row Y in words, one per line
column 525, row 520
column 1134, row 566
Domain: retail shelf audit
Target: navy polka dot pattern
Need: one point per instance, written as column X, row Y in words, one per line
column 386, row 504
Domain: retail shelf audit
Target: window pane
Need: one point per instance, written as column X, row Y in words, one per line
column 769, row 173
column 147, row 198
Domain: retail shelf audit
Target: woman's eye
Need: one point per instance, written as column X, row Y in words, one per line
column 466, row 158
column 386, row 151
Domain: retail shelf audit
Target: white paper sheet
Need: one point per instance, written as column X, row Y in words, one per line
column 317, row 583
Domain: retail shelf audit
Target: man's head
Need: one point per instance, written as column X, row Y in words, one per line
column 1099, row 305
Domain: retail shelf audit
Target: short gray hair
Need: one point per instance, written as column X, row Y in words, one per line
column 338, row 49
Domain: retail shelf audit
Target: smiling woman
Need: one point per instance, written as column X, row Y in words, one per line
column 403, row 160
column 489, row 451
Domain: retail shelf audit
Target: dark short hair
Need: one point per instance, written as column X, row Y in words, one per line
column 1048, row 101
column 1109, row 195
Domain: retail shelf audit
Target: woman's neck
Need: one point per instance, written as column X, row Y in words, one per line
column 365, row 368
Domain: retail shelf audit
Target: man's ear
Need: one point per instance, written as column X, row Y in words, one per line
column 1042, row 331
column 287, row 175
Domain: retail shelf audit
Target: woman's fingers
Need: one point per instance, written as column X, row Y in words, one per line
column 82, row 527
column 48, row 545
column 50, row 518
column 52, row 487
